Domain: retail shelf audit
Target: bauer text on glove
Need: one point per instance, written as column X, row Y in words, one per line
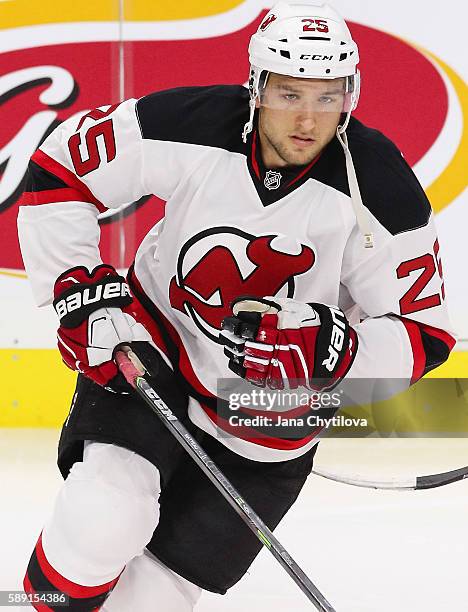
column 92, row 322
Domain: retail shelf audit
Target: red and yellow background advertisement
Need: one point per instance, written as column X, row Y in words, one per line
column 58, row 60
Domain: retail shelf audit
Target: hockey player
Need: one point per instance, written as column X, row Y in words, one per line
column 275, row 193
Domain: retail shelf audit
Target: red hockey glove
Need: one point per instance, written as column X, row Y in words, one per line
column 92, row 323
column 282, row 343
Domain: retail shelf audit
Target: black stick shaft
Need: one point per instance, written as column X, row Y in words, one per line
column 251, row 519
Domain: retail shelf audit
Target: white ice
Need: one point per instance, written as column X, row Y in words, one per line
column 368, row 551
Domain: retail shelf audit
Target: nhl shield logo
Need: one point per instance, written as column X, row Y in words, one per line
column 272, row 179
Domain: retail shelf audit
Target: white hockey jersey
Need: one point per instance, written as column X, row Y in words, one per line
column 233, row 227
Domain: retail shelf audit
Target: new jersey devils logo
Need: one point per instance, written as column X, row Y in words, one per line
column 220, row 264
column 268, row 21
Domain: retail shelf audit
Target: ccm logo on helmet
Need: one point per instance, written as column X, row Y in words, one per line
column 336, row 340
column 308, row 56
column 90, row 295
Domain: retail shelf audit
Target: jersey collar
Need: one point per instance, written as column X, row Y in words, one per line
column 272, row 184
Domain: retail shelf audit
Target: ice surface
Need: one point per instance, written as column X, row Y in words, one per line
column 368, row 551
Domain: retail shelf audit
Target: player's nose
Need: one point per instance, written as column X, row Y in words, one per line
column 306, row 121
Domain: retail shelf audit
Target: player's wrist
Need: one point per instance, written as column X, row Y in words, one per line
column 335, row 346
column 79, row 292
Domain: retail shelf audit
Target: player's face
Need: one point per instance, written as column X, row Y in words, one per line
column 298, row 118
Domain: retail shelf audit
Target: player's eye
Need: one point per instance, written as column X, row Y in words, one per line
column 290, row 97
column 326, row 99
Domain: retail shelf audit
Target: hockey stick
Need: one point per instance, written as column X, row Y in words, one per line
column 415, row 483
column 133, row 371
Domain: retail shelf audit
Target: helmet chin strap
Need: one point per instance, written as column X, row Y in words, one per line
column 362, row 215
column 361, row 212
column 249, row 125
column 254, row 85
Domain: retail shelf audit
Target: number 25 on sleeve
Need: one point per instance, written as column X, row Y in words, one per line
column 428, row 264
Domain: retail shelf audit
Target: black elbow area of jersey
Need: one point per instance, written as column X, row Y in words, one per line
column 436, row 351
column 38, row 179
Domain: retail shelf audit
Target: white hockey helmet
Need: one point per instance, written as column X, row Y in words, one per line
column 305, row 40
